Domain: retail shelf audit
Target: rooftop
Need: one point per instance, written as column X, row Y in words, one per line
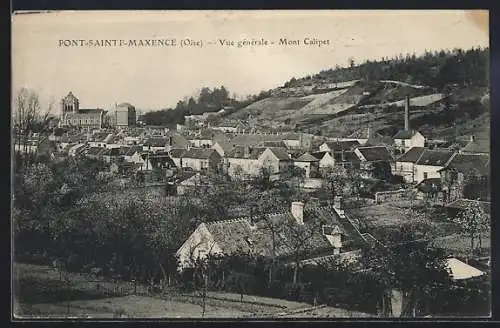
column 435, row 157
column 412, row 155
column 376, row 153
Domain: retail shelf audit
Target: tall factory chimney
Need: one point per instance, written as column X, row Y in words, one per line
column 407, row 113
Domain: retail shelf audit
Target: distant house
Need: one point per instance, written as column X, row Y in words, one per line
column 243, row 162
column 276, row 162
column 404, row 140
column 176, row 155
column 76, row 150
column 110, row 155
column 347, row 159
column 337, row 146
column 222, row 147
column 327, row 231
column 157, row 144
column 375, row 161
column 192, row 182
column 467, row 176
column 405, row 164
column 309, row 164
column 297, row 140
column 476, row 147
column 430, row 163
column 95, row 152
column 326, row 160
column 202, row 159
column 202, row 138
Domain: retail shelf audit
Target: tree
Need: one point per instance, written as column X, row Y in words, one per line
column 336, row 179
column 26, row 113
column 298, row 239
column 473, row 221
column 409, row 265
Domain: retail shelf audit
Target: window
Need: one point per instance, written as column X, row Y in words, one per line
column 425, row 175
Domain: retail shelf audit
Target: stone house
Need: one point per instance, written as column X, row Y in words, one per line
column 326, row 231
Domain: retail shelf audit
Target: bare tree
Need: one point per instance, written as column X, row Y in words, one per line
column 27, row 112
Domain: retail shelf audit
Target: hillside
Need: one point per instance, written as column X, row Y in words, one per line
column 448, row 90
column 455, row 101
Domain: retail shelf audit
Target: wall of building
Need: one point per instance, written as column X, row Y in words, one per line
column 405, row 170
column 421, row 170
column 199, row 244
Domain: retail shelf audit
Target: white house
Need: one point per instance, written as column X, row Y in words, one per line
column 405, row 164
column 309, row 164
column 243, row 162
column 326, row 159
column 201, row 159
column 405, row 140
column 335, row 235
column 276, row 162
column 430, row 163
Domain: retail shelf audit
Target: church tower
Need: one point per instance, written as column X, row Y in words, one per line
column 69, row 104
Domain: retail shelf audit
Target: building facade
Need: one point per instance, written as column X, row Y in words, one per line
column 74, row 116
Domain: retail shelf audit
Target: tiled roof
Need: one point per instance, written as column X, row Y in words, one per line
column 280, row 153
column 177, row 153
column 90, row 110
column 346, row 156
column 111, row 152
column 319, row 154
column 342, row 145
column 199, row 153
column 129, row 151
column 156, row 142
column 412, row 155
column 239, row 152
column 95, row 151
column 467, row 162
column 254, row 139
column 435, row 157
column 241, row 234
column 404, row 134
column 429, row 185
column 161, row 161
column 377, row 153
column 306, row 157
column 279, row 143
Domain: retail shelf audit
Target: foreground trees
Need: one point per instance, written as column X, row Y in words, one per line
column 410, row 266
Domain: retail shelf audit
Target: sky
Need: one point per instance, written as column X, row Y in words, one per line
column 151, row 78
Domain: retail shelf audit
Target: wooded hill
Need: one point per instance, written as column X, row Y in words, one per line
column 449, row 93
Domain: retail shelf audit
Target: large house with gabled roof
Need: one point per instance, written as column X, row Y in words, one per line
column 297, row 234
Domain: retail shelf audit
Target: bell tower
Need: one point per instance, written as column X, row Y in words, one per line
column 69, row 104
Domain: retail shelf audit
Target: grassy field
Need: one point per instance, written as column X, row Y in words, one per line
column 39, row 293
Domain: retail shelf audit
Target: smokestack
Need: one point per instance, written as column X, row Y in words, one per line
column 298, row 212
column 407, row 113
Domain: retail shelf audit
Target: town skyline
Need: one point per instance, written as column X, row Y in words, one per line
column 265, row 68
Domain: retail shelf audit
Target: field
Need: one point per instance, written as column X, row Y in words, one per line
column 39, row 293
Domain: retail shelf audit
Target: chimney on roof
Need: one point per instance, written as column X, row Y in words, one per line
column 369, row 133
column 472, row 138
column 298, row 212
column 407, row 113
